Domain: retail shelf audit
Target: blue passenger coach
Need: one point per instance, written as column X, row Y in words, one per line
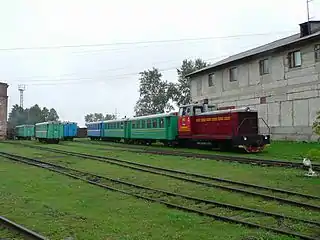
column 94, row 130
column 69, row 130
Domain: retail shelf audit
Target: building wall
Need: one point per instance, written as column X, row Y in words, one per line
column 292, row 94
column 3, row 110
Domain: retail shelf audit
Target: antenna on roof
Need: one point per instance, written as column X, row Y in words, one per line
column 308, row 16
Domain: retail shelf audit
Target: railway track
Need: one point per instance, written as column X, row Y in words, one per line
column 226, row 212
column 280, row 195
column 218, row 157
column 29, row 234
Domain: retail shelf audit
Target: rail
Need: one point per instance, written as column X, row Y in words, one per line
column 143, row 192
column 20, row 229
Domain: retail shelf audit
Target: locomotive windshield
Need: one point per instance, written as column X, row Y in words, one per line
column 193, row 110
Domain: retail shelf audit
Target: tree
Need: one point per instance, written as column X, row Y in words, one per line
column 181, row 91
column 110, row 117
column 32, row 115
column 95, row 117
column 17, row 116
column 316, row 124
column 154, row 94
column 53, row 115
column 45, row 114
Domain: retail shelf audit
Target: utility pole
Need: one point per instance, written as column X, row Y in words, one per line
column 21, row 89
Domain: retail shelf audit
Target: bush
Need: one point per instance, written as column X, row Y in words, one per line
column 314, row 155
column 316, row 124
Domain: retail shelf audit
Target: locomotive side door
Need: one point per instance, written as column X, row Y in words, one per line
column 184, row 123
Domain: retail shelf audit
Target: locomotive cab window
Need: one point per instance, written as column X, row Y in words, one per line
column 197, row 110
column 182, row 111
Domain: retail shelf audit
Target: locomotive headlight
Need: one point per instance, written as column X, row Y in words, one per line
column 245, row 138
column 265, row 137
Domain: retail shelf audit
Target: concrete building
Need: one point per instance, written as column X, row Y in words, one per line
column 280, row 79
column 3, row 110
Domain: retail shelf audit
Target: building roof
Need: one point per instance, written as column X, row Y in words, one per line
column 270, row 47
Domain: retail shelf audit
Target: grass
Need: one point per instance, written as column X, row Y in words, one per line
column 291, row 179
column 278, row 177
column 7, row 234
column 59, row 207
column 278, row 150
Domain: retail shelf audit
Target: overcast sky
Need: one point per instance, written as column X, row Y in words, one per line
column 80, row 80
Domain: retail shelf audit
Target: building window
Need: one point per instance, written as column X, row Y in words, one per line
column 233, row 74
column 264, row 66
column 263, row 100
column 210, row 79
column 199, row 87
column 294, row 59
column 317, row 52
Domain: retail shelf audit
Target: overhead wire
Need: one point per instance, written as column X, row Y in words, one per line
column 121, row 76
column 138, row 42
column 125, row 75
column 58, row 79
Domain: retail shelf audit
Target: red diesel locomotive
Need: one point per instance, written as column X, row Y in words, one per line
column 223, row 128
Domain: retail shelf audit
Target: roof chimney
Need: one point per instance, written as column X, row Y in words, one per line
column 308, row 28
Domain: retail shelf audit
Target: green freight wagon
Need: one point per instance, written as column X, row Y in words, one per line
column 149, row 129
column 114, row 130
column 49, row 132
column 24, row 132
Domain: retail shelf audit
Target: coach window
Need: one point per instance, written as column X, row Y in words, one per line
column 148, row 123
column 138, row 124
column 161, row 123
column 121, row 125
column 154, row 123
column 133, row 125
column 143, row 124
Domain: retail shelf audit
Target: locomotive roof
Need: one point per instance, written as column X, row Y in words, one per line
column 153, row 116
column 243, row 109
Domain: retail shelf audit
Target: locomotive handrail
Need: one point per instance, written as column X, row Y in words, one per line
column 265, row 124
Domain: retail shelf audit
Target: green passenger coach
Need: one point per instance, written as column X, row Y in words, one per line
column 113, row 130
column 50, row 132
column 25, row 132
column 153, row 128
